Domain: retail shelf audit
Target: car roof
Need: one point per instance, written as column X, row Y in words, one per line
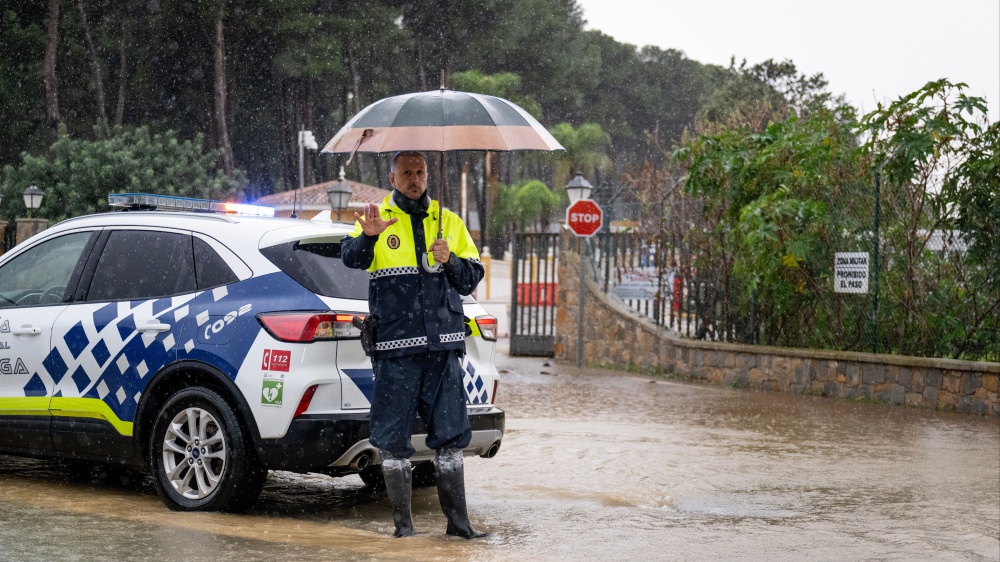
column 225, row 228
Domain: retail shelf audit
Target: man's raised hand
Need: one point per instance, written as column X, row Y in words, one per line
column 371, row 222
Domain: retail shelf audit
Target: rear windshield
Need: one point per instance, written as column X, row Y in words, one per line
column 317, row 267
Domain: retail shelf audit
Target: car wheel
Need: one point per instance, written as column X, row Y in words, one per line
column 202, row 459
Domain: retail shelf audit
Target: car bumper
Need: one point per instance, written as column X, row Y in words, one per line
column 339, row 443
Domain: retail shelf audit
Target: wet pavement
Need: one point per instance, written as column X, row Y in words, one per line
column 595, row 465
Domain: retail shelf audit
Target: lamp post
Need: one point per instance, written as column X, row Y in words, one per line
column 579, row 188
column 306, row 140
column 32, row 198
column 339, row 194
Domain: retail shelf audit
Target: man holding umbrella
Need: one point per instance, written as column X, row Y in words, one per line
column 420, row 335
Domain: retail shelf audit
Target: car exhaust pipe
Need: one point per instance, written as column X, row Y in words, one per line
column 361, row 461
column 492, row 451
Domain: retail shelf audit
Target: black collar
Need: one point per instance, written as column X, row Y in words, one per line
column 410, row 206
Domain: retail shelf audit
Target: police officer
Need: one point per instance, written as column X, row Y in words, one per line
column 420, row 335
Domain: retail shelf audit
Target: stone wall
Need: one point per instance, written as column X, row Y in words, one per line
column 614, row 336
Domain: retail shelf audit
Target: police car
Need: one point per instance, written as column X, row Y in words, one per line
column 206, row 347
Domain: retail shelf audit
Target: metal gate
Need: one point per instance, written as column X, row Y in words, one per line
column 533, row 294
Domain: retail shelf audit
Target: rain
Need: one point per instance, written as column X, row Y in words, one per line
column 727, row 189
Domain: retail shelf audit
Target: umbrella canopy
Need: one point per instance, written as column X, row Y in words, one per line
column 439, row 121
column 442, row 120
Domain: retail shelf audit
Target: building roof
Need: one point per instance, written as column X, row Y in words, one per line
column 313, row 197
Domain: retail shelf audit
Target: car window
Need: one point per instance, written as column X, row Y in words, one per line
column 40, row 275
column 210, row 268
column 317, row 267
column 143, row 264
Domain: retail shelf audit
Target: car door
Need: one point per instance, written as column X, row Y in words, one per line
column 34, row 286
column 121, row 329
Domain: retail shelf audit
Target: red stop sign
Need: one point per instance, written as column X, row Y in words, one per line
column 584, row 217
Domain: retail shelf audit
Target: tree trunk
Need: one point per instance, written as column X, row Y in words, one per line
column 123, row 45
column 49, row 77
column 95, row 68
column 491, row 173
column 284, row 137
column 356, row 90
column 421, row 71
column 228, row 165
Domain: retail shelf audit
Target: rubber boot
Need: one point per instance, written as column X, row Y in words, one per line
column 451, row 492
column 398, row 485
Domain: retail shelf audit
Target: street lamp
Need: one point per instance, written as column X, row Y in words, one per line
column 306, row 140
column 339, row 194
column 578, row 188
column 32, row 198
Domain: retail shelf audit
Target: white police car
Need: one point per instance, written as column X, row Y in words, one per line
column 206, row 347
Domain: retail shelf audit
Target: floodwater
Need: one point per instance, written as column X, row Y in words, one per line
column 596, row 465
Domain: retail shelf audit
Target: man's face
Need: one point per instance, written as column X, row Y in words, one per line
column 410, row 176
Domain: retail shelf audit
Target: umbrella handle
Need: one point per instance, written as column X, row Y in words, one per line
column 425, row 262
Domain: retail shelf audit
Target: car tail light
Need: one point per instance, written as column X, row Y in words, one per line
column 487, row 327
column 306, row 327
column 493, row 397
column 307, row 397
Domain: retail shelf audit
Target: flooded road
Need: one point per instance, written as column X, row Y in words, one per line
column 595, row 465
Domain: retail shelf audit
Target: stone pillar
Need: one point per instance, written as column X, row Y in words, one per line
column 26, row 228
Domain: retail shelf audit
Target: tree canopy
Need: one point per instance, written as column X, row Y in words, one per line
column 292, row 64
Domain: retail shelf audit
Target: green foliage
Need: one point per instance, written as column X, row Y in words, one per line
column 938, row 163
column 974, row 189
column 503, row 215
column 527, row 205
column 777, row 202
column 77, row 175
column 21, row 93
column 587, row 148
column 299, row 63
column 535, row 203
column 776, row 205
column 506, row 85
column 751, row 97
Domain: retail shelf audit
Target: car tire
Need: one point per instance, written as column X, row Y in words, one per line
column 202, row 459
column 423, row 476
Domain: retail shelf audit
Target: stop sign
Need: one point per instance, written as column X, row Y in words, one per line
column 584, row 217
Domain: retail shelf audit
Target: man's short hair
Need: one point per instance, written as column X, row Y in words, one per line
column 403, row 154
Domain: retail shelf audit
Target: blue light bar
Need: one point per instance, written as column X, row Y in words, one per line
column 175, row 203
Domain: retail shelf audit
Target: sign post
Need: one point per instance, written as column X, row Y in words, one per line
column 585, row 219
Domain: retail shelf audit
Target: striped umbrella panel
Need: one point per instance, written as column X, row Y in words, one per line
column 440, row 121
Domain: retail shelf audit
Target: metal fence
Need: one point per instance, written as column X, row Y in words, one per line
column 922, row 295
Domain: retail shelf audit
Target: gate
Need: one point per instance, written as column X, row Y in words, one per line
column 533, row 294
column 9, row 237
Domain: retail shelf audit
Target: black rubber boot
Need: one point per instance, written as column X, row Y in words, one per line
column 398, row 485
column 451, row 492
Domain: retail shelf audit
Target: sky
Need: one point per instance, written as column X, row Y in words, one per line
column 869, row 50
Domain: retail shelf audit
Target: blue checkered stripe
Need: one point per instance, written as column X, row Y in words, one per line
column 103, row 355
column 475, row 387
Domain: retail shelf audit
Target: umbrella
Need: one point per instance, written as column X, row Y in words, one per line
column 438, row 121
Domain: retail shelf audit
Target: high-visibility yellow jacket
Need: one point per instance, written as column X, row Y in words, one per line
column 418, row 310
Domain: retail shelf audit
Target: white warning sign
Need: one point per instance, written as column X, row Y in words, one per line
column 850, row 272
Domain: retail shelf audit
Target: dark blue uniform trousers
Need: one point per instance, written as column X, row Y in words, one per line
column 427, row 384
